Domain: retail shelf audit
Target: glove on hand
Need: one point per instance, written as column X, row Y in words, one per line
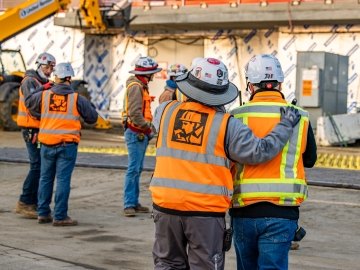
column 291, row 114
column 150, row 135
column 48, row 85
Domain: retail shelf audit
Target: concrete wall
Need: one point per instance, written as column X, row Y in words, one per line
column 104, row 61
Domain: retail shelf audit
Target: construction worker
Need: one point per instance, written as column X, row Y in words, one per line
column 34, row 80
column 192, row 183
column 267, row 196
column 60, row 109
column 170, row 92
column 137, row 118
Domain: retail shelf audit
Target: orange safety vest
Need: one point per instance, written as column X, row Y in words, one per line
column 146, row 108
column 60, row 118
column 192, row 172
column 24, row 119
column 180, row 96
column 280, row 181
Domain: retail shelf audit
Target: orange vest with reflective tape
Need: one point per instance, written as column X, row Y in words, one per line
column 24, row 119
column 192, row 172
column 146, row 108
column 60, row 119
column 280, row 181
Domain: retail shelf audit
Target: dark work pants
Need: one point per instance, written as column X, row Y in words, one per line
column 31, row 182
column 188, row 242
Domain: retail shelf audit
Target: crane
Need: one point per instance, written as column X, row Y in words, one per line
column 19, row 18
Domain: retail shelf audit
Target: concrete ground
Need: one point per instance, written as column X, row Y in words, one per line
column 105, row 239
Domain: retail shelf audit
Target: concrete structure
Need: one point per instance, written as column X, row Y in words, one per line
column 233, row 35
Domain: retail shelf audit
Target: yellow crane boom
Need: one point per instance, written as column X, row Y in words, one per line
column 19, row 18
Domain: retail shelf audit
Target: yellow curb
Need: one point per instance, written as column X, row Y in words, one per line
column 151, row 150
column 325, row 160
column 338, row 161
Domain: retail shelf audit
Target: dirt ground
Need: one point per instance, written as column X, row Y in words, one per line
column 105, row 239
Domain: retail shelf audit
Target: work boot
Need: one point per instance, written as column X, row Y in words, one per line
column 129, row 212
column 65, row 222
column 141, row 209
column 26, row 210
column 45, row 219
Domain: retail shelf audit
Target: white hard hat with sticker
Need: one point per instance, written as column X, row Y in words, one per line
column 262, row 68
column 208, row 82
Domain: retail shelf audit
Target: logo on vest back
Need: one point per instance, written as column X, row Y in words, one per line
column 58, row 103
column 189, row 127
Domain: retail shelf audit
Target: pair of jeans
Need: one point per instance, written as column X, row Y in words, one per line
column 136, row 153
column 31, row 182
column 263, row 243
column 56, row 161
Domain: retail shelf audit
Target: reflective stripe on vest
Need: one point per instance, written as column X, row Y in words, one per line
column 192, row 172
column 146, row 104
column 59, row 125
column 179, row 96
column 24, row 119
column 281, row 180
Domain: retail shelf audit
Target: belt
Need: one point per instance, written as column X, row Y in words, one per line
column 59, row 144
column 138, row 130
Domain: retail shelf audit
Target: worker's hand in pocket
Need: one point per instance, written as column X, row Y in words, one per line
column 290, row 114
column 150, row 135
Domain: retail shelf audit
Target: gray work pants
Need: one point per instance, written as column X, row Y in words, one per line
column 188, row 242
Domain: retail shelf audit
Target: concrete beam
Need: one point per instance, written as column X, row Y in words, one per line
column 167, row 20
column 244, row 16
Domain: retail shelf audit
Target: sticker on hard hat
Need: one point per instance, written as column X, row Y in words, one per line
column 198, row 72
column 213, row 61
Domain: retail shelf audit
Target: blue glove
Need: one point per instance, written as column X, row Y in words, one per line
column 290, row 114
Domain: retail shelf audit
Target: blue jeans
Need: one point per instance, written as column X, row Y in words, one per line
column 31, row 182
column 60, row 162
column 263, row 243
column 136, row 154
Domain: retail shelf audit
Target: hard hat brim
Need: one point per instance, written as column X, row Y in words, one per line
column 137, row 72
column 205, row 97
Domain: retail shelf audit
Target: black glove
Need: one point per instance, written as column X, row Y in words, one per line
column 290, row 114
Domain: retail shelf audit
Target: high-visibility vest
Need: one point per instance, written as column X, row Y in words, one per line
column 146, row 108
column 280, row 181
column 24, row 119
column 60, row 118
column 192, row 172
column 180, row 96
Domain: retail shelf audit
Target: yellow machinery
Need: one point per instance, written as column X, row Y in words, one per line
column 17, row 19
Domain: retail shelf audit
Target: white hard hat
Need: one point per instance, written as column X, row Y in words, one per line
column 45, row 59
column 63, row 70
column 176, row 70
column 193, row 62
column 208, row 83
column 262, row 68
column 145, row 65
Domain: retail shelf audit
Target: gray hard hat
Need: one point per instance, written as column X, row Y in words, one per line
column 63, row 70
column 45, row 59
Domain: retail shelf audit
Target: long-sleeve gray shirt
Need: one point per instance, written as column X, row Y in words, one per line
column 241, row 145
column 86, row 110
column 135, row 102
